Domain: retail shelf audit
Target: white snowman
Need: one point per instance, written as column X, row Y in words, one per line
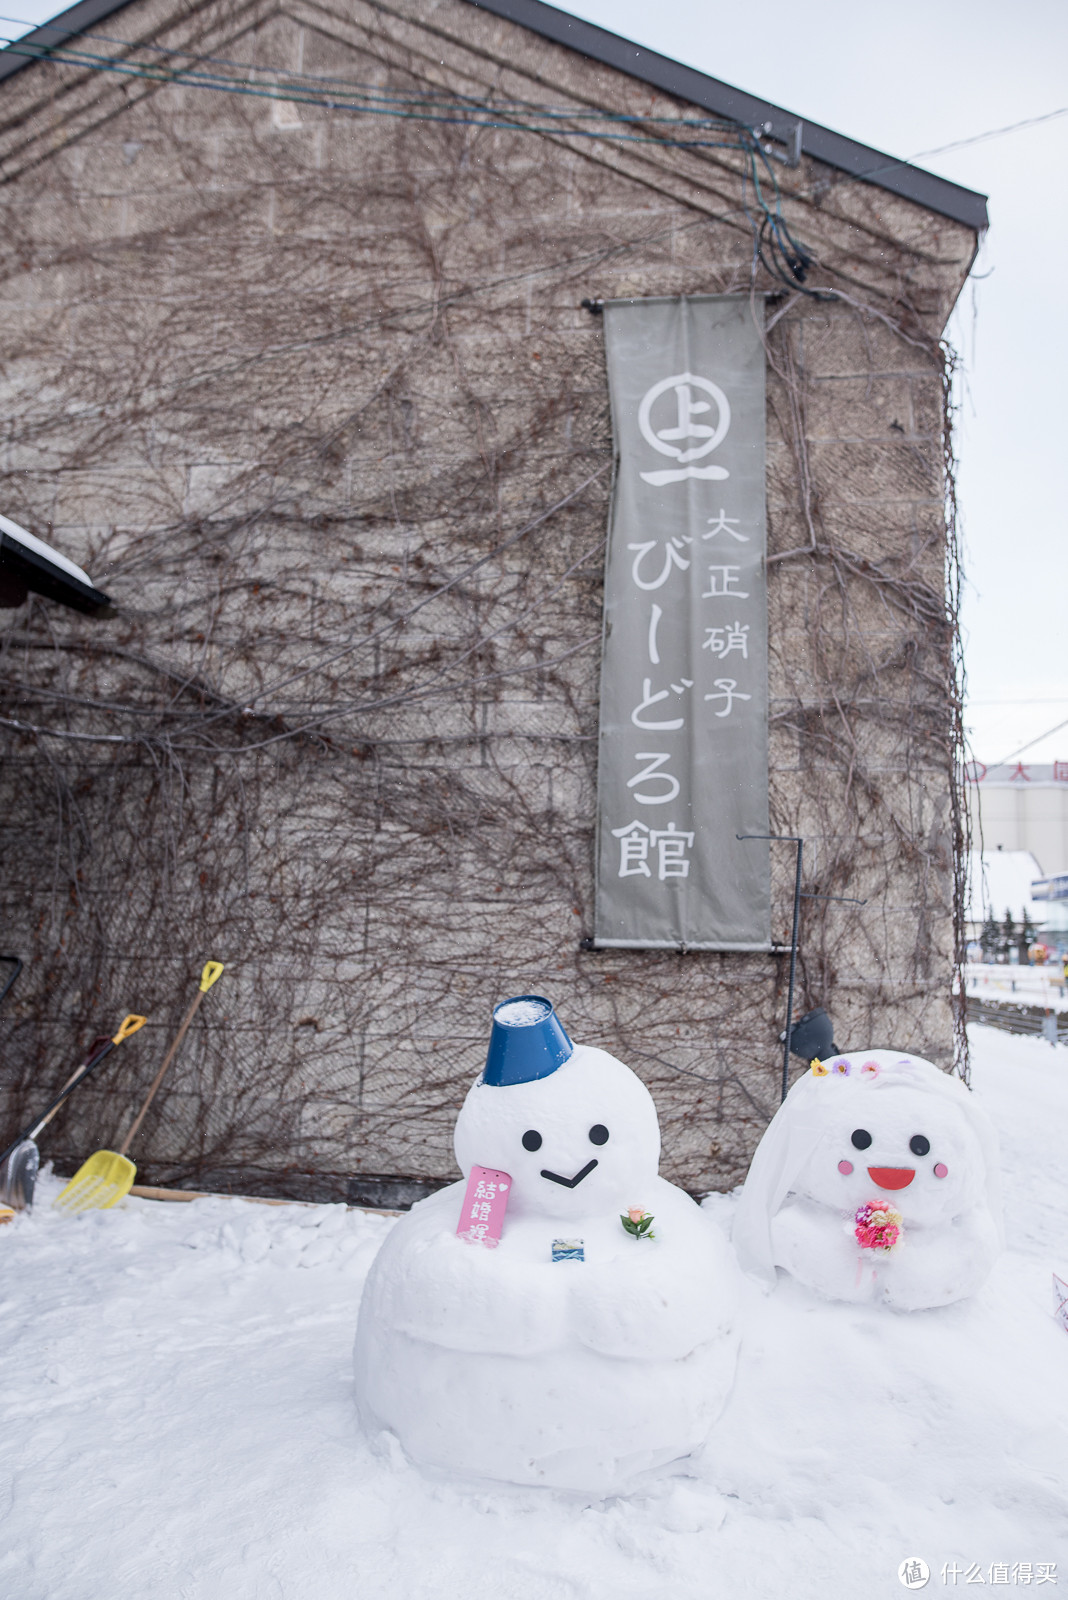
column 877, row 1180
column 579, row 1352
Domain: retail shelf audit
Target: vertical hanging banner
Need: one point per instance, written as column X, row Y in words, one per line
column 683, row 756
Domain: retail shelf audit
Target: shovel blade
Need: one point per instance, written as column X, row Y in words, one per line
column 100, row 1182
column 19, row 1176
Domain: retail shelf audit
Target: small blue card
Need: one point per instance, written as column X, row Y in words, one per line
column 568, row 1250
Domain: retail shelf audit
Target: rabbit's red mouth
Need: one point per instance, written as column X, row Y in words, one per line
column 892, row 1177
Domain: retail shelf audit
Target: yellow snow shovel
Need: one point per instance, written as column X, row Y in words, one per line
column 106, row 1177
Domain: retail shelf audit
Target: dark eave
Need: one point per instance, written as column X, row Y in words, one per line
column 76, row 19
column 796, row 136
column 787, row 129
column 24, row 570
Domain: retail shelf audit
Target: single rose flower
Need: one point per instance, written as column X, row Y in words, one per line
column 637, row 1222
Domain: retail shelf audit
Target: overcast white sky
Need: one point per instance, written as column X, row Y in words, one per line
column 906, row 79
column 911, row 77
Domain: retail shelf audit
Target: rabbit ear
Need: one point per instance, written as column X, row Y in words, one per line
column 788, row 1143
column 986, row 1133
column 925, row 1076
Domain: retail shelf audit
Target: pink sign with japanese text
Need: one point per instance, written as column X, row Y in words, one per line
column 486, row 1200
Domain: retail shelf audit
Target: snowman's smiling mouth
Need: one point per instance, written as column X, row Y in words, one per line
column 571, row 1183
column 892, row 1177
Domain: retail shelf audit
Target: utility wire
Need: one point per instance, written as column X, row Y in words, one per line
column 429, row 106
column 375, row 92
column 1022, row 700
column 789, row 260
column 991, row 133
column 774, row 245
column 959, row 144
column 1031, row 743
column 300, row 87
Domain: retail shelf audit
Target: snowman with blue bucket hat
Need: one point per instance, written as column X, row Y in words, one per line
column 595, row 1341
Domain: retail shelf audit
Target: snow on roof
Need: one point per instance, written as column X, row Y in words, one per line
column 43, row 550
column 1001, row 881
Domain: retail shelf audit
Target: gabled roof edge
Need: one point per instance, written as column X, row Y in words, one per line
column 686, row 83
column 76, row 19
column 860, row 161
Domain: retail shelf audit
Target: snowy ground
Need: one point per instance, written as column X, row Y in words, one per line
column 176, row 1420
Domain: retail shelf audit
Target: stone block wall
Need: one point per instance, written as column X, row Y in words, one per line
column 314, row 396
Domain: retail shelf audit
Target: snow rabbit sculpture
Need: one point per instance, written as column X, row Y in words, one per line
column 876, row 1180
column 577, row 1352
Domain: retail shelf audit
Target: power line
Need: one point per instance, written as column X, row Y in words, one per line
column 875, row 173
column 459, row 113
column 1031, row 743
column 357, row 88
column 785, row 258
column 794, row 255
column 991, row 133
column 312, row 88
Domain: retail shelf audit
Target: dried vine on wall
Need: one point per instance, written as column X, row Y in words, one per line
column 336, row 437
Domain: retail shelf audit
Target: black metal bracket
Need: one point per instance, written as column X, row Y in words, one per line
column 842, row 899
column 787, row 838
column 17, row 961
column 793, row 838
column 786, row 134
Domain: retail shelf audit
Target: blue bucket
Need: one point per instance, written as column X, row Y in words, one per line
column 527, row 1041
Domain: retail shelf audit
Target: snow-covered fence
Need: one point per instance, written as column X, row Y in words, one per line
column 1039, row 1021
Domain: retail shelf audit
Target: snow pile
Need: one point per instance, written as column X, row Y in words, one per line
column 521, row 1013
column 177, row 1418
column 875, row 1120
column 514, row 1365
column 1000, row 882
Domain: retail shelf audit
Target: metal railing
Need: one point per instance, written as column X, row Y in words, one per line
column 1024, row 1019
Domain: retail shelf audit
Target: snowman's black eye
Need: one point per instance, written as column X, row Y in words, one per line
column 532, row 1139
column 860, row 1138
column 919, row 1145
column 598, row 1133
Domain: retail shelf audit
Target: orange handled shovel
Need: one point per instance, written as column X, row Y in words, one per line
column 106, row 1177
column 20, row 1161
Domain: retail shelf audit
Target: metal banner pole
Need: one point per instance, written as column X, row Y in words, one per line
column 787, row 838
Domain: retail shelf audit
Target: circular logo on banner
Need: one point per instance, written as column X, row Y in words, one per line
column 672, row 435
column 914, row 1572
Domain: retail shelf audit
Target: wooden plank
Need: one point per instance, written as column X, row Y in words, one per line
column 147, row 1191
